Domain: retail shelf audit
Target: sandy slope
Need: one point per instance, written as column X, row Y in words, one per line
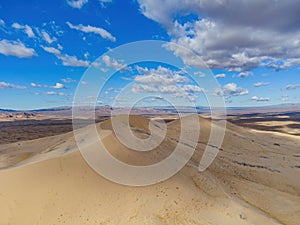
column 254, row 180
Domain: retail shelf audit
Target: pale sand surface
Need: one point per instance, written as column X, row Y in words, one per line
column 282, row 117
column 284, row 126
column 277, row 123
column 278, row 134
column 252, row 181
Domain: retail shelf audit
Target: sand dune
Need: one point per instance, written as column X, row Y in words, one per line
column 253, row 180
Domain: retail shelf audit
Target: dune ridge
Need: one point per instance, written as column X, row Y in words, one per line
column 253, row 180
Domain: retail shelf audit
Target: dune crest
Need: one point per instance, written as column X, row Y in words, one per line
column 52, row 184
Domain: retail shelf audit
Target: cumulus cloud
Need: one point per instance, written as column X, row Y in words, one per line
column 280, row 65
column 67, row 60
column 77, row 3
column 90, row 29
column 260, row 99
column 225, row 34
column 16, row 48
column 2, row 23
column 171, row 89
column 73, row 61
column 261, row 84
column 56, row 86
column 47, row 37
column 292, row 86
column 192, row 88
column 4, row 85
column 27, row 29
column 164, row 81
column 161, row 75
column 231, row 90
column 110, row 62
column 221, row 75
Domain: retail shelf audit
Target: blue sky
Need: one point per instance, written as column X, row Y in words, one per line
column 46, row 46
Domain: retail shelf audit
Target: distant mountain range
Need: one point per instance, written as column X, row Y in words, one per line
column 67, row 110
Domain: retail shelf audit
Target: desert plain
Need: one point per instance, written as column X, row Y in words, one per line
column 253, row 180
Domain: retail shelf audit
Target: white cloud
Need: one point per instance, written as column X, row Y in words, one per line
column 67, row 59
column 161, row 76
column 175, row 90
column 261, row 84
column 228, row 38
column 260, row 99
column 109, row 62
column 77, row 3
column 142, row 88
column 284, row 98
column 193, row 89
column 59, row 47
column 4, row 85
column 221, row 75
column 17, row 26
column 245, row 74
column 142, row 70
column 231, row 90
column 199, row 73
column 56, row 86
column 164, row 81
column 103, row 2
column 35, row 85
column 55, row 93
column 73, row 61
column 27, row 29
column 2, row 23
column 68, row 80
column 51, row 50
column 126, row 78
column 16, row 48
column 47, row 37
column 111, row 90
column 104, row 70
column 90, row 29
column 86, row 55
column 280, row 65
column 292, row 86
